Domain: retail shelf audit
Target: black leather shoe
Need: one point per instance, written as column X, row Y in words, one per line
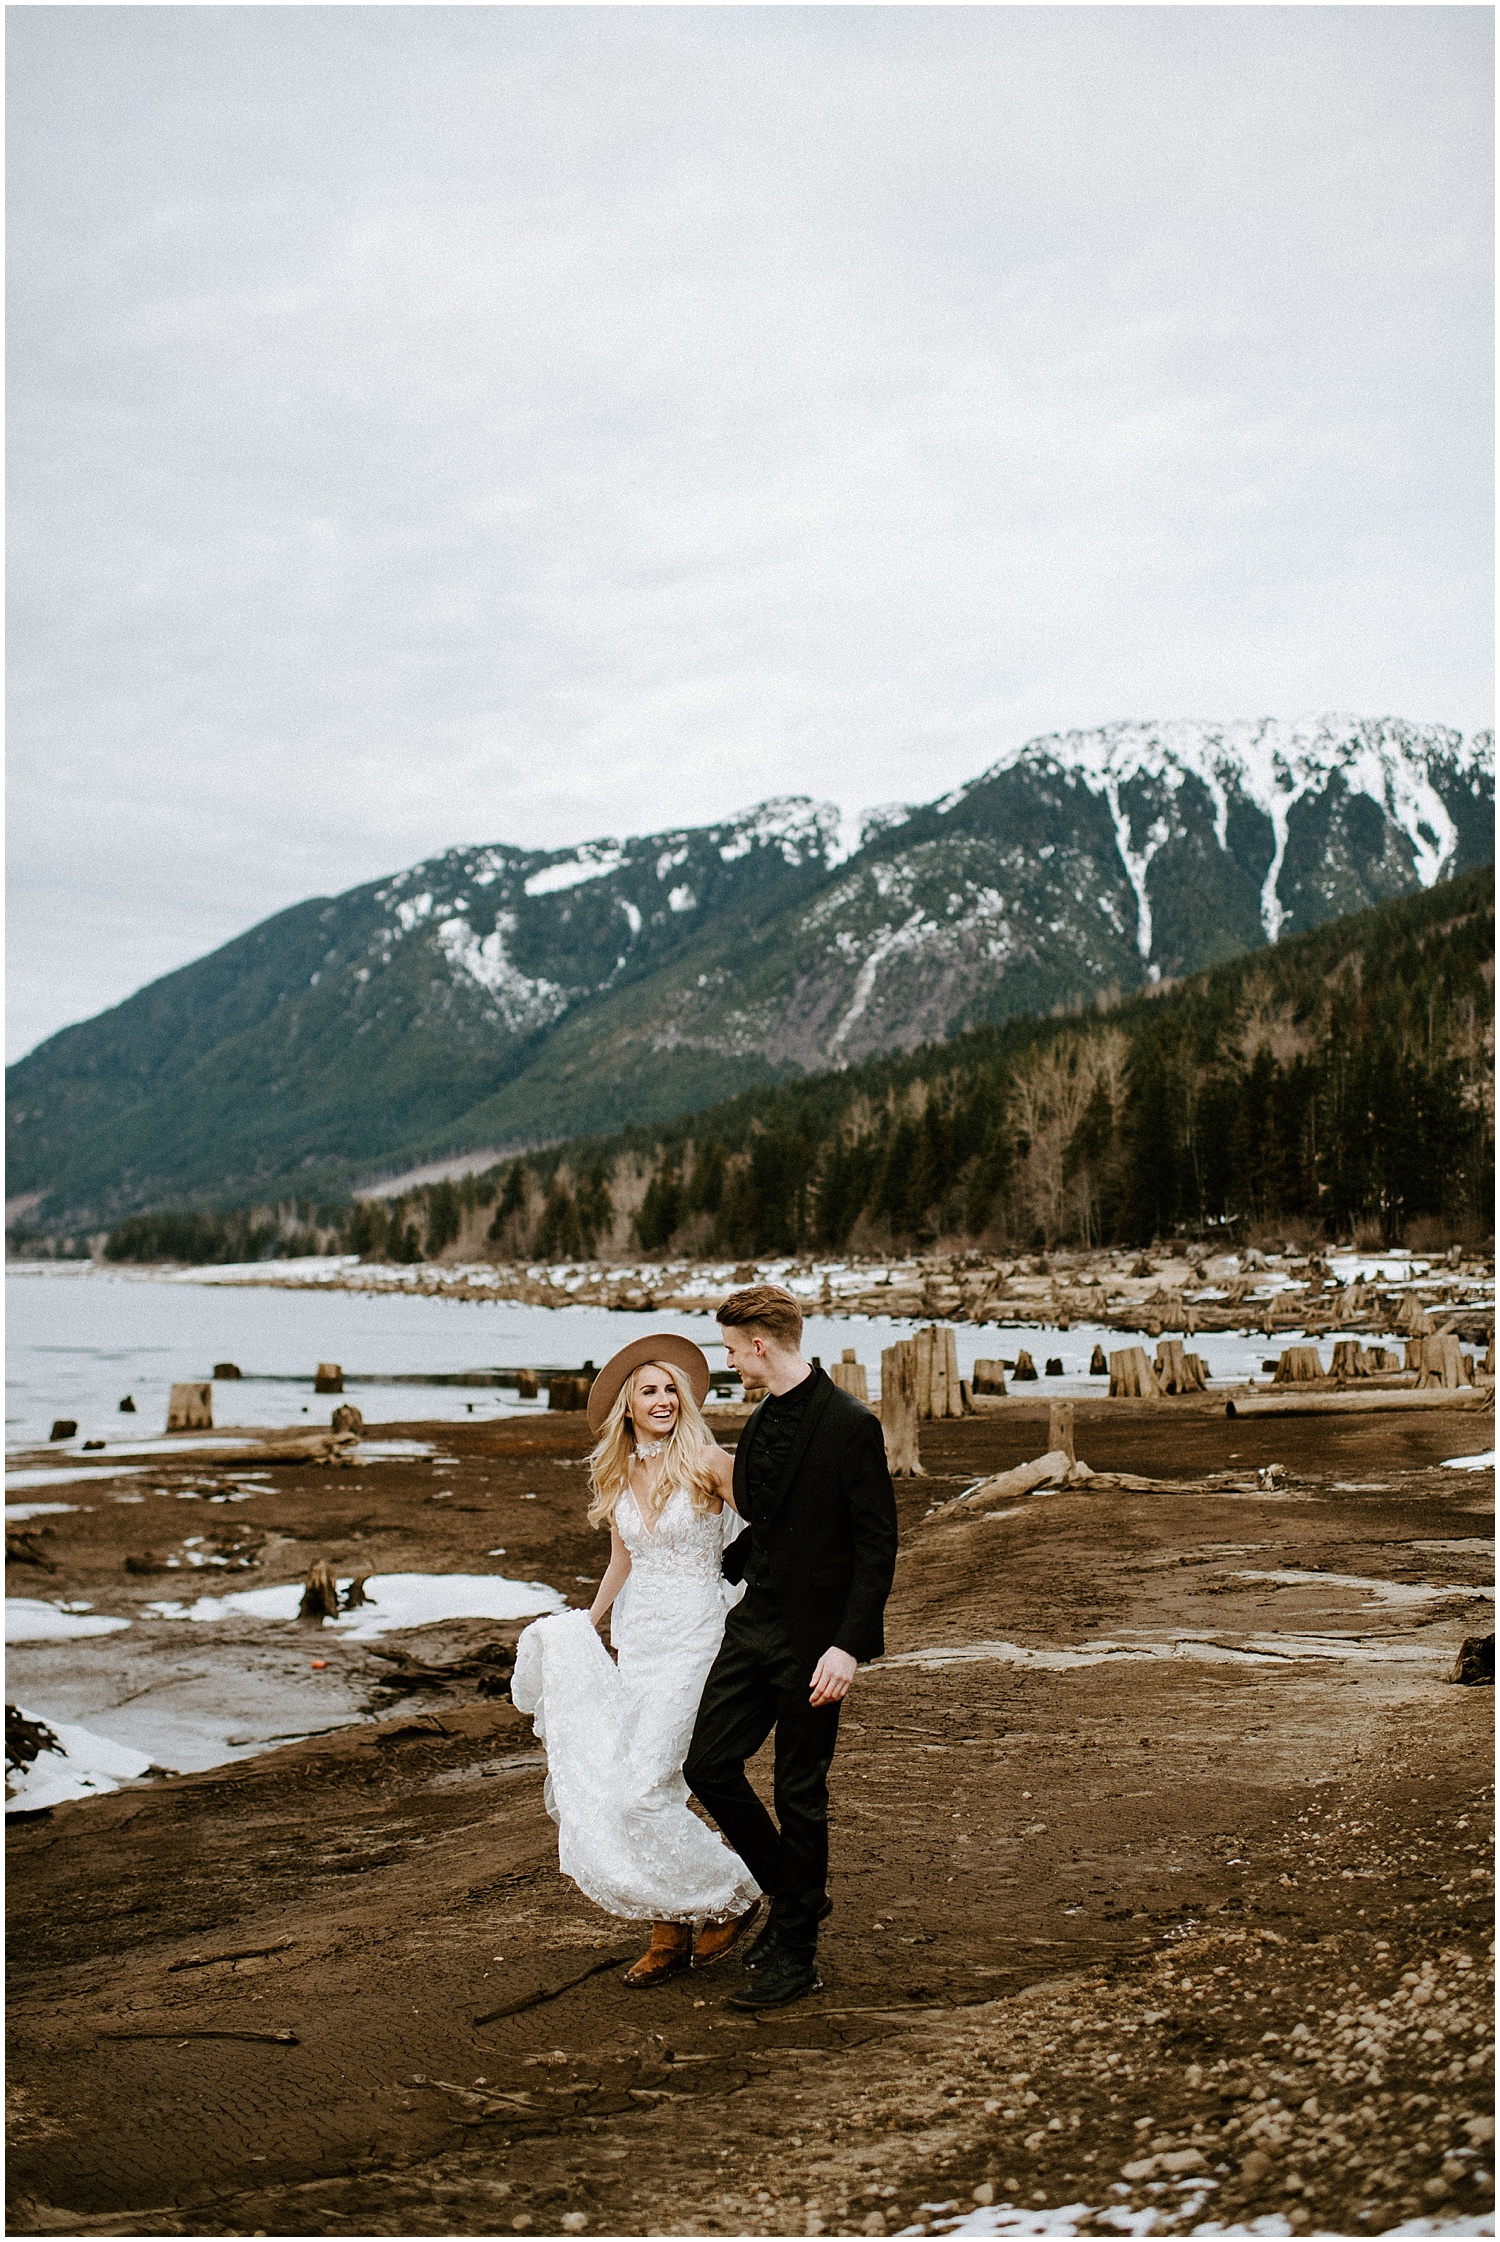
column 781, row 1978
column 760, row 1948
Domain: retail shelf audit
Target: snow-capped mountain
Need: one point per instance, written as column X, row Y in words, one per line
column 496, row 995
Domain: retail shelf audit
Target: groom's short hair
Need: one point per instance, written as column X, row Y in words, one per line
column 767, row 1308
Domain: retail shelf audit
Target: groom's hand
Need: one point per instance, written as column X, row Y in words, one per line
column 832, row 1676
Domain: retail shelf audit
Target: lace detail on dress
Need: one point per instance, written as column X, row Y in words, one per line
column 617, row 1734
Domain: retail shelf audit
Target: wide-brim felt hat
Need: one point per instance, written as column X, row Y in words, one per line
column 657, row 1346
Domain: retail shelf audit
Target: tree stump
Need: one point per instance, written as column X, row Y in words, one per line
column 1054, row 1366
column 1475, row 1663
column 329, row 1379
column 228, row 1370
column 526, row 1385
column 66, row 1428
column 1131, row 1376
column 190, row 1408
column 346, row 1418
column 320, row 1593
column 1442, row 1362
column 1298, row 1366
column 1060, row 1430
column 1349, row 1359
column 989, row 1376
column 849, row 1376
column 1025, row 1367
column 1098, row 1367
column 898, row 1409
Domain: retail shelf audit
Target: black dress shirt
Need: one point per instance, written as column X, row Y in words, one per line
column 765, row 1467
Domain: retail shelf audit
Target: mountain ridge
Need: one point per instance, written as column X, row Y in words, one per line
column 495, row 995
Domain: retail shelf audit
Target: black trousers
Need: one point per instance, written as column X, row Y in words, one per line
column 758, row 1682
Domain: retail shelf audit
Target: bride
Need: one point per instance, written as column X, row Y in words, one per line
column 616, row 1735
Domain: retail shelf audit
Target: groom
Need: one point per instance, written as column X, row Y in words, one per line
column 810, row 1478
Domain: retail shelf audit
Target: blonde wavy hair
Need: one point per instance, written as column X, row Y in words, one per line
column 685, row 1463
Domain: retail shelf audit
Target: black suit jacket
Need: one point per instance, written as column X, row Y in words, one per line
column 831, row 1532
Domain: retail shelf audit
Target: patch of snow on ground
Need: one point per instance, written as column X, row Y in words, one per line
column 82, row 1765
column 29, row 1620
column 1382, row 1591
column 62, row 1475
column 17, row 1512
column 1486, row 1462
column 392, row 1600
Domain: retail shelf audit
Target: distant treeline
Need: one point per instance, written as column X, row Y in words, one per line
column 241, row 1234
column 1339, row 1084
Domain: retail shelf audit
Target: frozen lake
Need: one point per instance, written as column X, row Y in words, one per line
column 81, row 1338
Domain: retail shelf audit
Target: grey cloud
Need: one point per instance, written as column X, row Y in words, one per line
column 450, row 424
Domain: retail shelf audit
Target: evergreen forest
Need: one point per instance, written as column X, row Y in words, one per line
column 1339, row 1084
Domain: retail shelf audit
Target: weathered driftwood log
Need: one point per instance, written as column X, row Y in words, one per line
column 190, row 1408
column 849, row 1376
column 1043, row 1471
column 489, row 1667
column 320, row 1593
column 330, row 1378
column 1131, row 1375
column 1473, row 1399
column 1060, row 1430
column 898, row 1409
column 989, row 1376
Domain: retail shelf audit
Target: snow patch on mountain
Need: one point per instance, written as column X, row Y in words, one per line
column 1270, row 763
column 594, row 861
column 522, row 1002
column 804, row 831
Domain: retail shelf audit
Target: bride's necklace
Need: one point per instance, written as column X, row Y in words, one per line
column 648, row 1450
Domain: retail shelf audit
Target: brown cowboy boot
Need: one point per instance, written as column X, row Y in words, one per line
column 715, row 1939
column 670, row 1952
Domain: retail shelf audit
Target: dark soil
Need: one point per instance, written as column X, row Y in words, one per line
column 1104, row 1933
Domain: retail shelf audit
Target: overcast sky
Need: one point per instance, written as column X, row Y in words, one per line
column 440, row 425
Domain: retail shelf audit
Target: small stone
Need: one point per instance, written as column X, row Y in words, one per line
column 985, row 2192
column 1141, row 2168
column 1184, row 2160
column 1255, row 2166
column 1436, row 2188
column 573, row 2222
column 1480, row 2129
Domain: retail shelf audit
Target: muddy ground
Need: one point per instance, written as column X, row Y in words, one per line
column 1199, row 1926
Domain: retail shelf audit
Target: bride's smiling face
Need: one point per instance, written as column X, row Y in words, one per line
column 653, row 1403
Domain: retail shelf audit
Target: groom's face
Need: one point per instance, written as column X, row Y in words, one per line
column 747, row 1358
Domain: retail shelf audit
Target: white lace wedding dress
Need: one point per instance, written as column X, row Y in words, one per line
column 617, row 1735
